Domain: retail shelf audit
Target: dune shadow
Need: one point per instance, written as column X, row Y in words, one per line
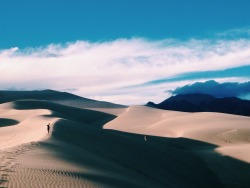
column 4, row 122
column 165, row 162
column 161, row 162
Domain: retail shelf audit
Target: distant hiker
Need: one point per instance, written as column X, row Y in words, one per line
column 48, row 127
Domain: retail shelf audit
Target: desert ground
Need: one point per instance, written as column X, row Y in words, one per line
column 98, row 144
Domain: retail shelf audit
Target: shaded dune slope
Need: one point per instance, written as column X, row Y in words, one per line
column 126, row 160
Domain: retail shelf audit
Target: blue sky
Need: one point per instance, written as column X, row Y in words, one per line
column 122, row 51
column 34, row 23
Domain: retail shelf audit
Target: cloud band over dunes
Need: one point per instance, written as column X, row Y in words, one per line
column 118, row 70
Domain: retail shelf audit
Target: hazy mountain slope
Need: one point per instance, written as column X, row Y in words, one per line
column 56, row 96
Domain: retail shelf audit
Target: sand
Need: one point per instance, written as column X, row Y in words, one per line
column 214, row 128
column 120, row 147
column 30, row 125
column 229, row 136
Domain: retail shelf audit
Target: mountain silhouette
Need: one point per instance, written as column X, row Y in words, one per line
column 63, row 98
column 204, row 103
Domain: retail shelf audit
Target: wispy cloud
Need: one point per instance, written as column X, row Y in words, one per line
column 235, row 33
column 104, row 70
column 236, row 72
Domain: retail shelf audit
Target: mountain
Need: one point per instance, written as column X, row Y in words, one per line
column 204, row 103
column 63, row 98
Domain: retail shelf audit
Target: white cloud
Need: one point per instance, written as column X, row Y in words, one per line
column 97, row 69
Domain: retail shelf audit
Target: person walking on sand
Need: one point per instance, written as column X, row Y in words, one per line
column 48, row 127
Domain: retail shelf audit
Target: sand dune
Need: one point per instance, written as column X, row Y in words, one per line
column 227, row 134
column 30, row 126
column 215, row 128
column 180, row 149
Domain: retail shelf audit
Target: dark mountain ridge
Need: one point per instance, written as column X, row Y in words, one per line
column 204, row 103
column 56, row 97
